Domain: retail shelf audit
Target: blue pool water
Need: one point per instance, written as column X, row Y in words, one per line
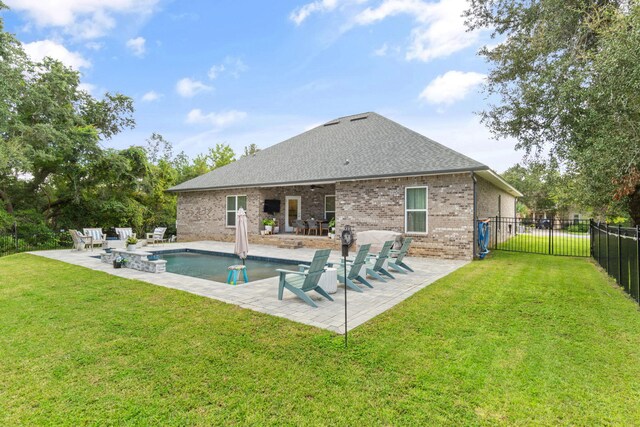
column 213, row 265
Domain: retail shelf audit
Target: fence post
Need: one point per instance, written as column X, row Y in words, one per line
column 550, row 236
column 606, row 243
column 599, row 235
column 591, row 234
column 638, row 260
column 15, row 234
column 619, row 259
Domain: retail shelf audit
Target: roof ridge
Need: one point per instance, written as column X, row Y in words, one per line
column 349, row 116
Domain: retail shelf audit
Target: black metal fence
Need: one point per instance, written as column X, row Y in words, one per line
column 13, row 241
column 617, row 250
column 564, row 237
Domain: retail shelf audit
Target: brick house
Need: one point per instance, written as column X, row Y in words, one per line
column 363, row 170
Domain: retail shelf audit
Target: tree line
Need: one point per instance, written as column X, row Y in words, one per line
column 564, row 82
column 54, row 170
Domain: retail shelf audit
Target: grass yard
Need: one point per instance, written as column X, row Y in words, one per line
column 571, row 244
column 514, row 339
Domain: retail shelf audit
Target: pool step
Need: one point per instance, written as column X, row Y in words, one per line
column 290, row 244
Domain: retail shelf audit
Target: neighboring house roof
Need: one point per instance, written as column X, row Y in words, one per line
column 362, row 146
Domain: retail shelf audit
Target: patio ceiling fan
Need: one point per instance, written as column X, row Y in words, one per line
column 313, row 187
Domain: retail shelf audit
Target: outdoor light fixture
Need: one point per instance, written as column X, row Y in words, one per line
column 346, row 238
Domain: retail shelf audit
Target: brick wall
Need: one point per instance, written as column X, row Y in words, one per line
column 201, row 214
column 488, row 200
column 365, row 205
column 379, row 205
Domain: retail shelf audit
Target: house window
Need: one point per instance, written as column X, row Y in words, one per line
column 233, row 204
column 329, row 207
column 415, row 210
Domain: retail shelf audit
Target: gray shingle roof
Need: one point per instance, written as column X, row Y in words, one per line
column 373, row 145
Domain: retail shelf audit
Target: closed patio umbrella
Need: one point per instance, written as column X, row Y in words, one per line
column 242, row 239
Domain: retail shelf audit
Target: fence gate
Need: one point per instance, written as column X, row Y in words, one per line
column 564, row 237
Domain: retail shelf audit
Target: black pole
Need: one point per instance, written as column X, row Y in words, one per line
column 345, row 301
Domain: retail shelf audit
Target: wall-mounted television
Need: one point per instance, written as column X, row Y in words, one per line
column 271, row 206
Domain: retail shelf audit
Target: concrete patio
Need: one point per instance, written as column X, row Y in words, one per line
column 262, row 295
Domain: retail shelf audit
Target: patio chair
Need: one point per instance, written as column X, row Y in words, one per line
column 299, row 225
column 396, row 263
column 376, row 268
column 80, row 241
column 354, row 268
column 157, row 235
column 301, row 282
column 124, row 233
column 98, row 237
column 313, row 226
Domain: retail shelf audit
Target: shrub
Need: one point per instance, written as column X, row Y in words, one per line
column 578, row 228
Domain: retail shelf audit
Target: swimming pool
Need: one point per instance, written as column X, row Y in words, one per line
column 213, row 265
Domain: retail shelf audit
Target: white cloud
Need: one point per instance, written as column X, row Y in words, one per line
column 151, row 96
column 222, row 119
column 231, row 65
column 136, row 46
column 382, row 50
column 439, row 29
column 187, row 87
column 40, row 49
column 82, row 18
column 451, row 87
column 303, row 12
column 235, row 66
column 94, row 45
column 88, row 87
column 215, row 71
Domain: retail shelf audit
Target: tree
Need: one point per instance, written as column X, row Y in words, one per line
column 157, row 144
column 50, row 134
column 250, row 150
column 220, row 156
column 564, row 80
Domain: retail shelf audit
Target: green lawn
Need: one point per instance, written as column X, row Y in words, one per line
column 572, row 244
column 514, row 339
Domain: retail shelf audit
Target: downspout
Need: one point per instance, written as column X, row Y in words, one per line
column 475, row 216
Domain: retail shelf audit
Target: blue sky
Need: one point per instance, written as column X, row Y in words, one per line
column 233, row 72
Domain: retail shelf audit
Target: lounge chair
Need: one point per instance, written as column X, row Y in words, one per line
column 125, row 233
column 354, row 267
column 98, row 237
column 157, row 235
column 396, row 263
column 301, row 282
column 375, row 263
column 80, row 241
